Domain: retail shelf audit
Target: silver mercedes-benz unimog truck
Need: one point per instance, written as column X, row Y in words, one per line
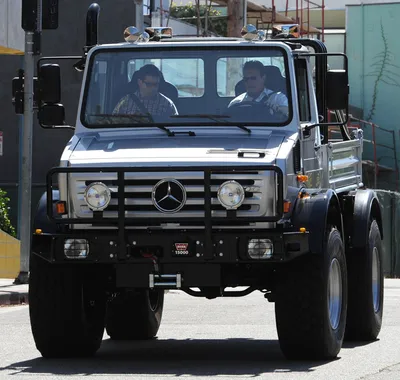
column 217, row 199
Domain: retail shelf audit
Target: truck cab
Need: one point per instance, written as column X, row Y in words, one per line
column 189, row 179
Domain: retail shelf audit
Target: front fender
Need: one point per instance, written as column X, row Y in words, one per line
column 41, row 243
column 311, row 212
column 41, row 220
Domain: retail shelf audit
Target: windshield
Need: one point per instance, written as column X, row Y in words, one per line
column 178, row 86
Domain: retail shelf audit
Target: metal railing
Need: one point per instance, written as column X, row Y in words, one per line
column 377, row 161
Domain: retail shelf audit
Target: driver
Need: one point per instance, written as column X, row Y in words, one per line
column 254, row 79
column 147, row 99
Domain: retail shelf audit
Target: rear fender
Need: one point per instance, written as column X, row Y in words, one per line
column 366, row 207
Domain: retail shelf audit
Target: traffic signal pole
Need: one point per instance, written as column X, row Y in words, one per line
column 31, row 22
column 26, row 165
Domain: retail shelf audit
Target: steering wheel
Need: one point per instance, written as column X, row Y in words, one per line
column 252, row 111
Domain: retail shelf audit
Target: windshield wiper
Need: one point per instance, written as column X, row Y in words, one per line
column 201, row 116
column 112, row 118
column 212, row 117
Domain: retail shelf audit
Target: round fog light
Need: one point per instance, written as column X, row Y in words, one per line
column 76, row 248
column 231, row 195
column 97, row 196
column 260, row 248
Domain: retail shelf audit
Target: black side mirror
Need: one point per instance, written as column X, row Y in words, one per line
column 337, row 89
column 51, row 115
column 49, row 78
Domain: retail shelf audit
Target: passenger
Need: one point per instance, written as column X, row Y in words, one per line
column 146, row 99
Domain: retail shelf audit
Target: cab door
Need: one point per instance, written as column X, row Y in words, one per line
column 310, row 140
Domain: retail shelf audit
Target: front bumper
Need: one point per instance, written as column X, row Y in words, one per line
column 147, row 260
column 137, row 246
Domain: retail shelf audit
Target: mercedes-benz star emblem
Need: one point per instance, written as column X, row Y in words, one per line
column 168, row 196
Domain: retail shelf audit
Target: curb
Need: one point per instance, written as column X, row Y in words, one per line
column 14, row 298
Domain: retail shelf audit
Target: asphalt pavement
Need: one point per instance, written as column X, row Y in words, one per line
column 225, row 338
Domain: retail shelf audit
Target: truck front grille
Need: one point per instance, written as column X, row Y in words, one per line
column 138, row 189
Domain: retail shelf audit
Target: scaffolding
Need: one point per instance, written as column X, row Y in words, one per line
column 303, row 9
column 266, row 17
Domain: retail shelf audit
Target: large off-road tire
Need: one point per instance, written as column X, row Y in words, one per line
column 311, row 303
column 134, row 315
column 67, row 309
column 365, row 272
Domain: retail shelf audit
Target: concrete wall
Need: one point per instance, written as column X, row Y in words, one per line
column 333, row 19
column 11, row 34
column 9, row 256
column 373, row 48
column 390, row 207
column 68, row 39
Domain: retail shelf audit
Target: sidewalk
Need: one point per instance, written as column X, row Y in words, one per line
column 11, row 294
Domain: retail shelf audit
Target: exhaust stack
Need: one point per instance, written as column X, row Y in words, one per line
column 92, row 18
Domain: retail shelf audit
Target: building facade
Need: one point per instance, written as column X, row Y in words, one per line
column 68, row 39
column 373, row 51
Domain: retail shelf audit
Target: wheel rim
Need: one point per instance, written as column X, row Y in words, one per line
column 335, row 293
column 154, row 297
column 376, row 279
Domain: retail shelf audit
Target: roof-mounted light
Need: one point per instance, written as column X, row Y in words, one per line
column 261, row 35
column 286, row 31
column 249, row 32
column 159, row 32
column 132, row 35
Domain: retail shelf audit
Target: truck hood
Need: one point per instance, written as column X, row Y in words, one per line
column 108, row 150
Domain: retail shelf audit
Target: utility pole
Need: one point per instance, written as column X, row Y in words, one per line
column 244, row 12
column 198, row 17
column 206, row 19
column 236, row 17
column 139, row 16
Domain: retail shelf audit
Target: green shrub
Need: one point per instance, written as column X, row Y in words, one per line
column 188, row 13
column 5, row 223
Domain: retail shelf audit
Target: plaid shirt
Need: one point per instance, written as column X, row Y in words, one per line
column 160, row 105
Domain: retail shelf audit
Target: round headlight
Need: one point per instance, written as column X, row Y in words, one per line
column 231, row 194
column 97, row 196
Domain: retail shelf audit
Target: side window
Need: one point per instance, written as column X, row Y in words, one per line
column 186, row 74
column 303, row 90
column 230, row 75
column 96, row 96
